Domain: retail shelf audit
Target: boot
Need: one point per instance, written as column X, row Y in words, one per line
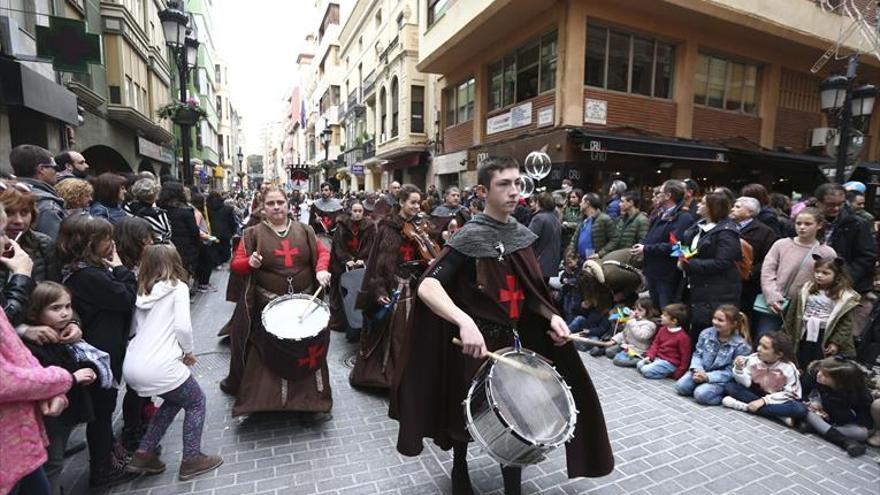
column 199, row 464
column 109, row 473
column 852, row 447
column 461, row 479
column 121, row 455
column 512, row 480
column 146, row 463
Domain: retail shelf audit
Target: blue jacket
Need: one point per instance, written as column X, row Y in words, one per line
column 715, row 357
column 658, row 262
column 113, row 214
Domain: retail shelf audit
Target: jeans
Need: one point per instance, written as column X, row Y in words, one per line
column 708, row 394
column 656, row 369
column 662, row 292
column 58, row 433
column 579, row 324
column 765, row 323
column 790, row 409
column 32, row 484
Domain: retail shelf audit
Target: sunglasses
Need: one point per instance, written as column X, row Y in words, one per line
column 21, row 186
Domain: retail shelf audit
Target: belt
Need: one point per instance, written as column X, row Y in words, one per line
column 494, row 330
column 267, row 293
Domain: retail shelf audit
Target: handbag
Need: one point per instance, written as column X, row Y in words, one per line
column 761, row 305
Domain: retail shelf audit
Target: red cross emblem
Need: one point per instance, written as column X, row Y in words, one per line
column 316, row 352
column 326, row 222
column 287, row 252
column 408, row 251
column 354, row 243
column 512, row 295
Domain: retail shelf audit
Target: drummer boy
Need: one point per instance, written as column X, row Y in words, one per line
column 487, row 289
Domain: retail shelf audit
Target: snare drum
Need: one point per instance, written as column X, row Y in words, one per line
column 292, row 347
column 518, row 417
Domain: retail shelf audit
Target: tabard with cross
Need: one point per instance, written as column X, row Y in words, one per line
column 498, row 282
column 285, row 257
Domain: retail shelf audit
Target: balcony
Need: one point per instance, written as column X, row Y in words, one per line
column 383, row 57
column 370, row 83
column 369, row 148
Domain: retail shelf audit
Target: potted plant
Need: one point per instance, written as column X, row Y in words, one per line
column 188, row 113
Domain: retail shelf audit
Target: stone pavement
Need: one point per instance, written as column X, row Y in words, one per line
column 662, row 444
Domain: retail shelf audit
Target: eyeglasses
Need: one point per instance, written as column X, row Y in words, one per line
column 21, row 186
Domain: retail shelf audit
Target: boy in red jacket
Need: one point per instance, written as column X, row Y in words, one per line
column 670, row 352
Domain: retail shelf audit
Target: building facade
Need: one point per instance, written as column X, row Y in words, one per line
column 717, row 90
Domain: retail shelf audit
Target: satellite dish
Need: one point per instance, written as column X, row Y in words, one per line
column 857, row 143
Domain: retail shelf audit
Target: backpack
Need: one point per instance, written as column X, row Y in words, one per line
column 744, row 265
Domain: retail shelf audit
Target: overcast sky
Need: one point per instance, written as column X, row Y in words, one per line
column 260, row 39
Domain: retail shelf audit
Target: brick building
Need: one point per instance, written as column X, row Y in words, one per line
column 717, row 90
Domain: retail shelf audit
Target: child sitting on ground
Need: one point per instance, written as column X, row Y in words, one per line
column 839, row 406
column 712, row 361
column 670, row 353
column 627, row 348
column 766, row 382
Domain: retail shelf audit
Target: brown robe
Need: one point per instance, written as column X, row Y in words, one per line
column 256, row 386
column 382, row 341
column 440, row 218
column 351, row 241
column 427, row 395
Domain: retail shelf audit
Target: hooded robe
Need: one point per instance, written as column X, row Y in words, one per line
column 351, row 241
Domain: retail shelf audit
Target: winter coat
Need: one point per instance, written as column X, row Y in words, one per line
column 852, row 240
column 715, row 358
column 24, row 383
column 104, row 300
column 712, row 276
column 545, row 224
column 112, row 213
column 613, row 207
column 222, row 218
column 637, row 335
column 761, row 238
column 629, row 231
column 156, row 217
column 571, row 217
column 603, row 232
column 839, row 328
column 16, row 296
column 768, row 217
column 184, row 233
column 41, row 248
column 162, row 333
column 50, row 207
column 658, row 262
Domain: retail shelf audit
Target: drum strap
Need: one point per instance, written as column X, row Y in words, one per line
column 627, row 267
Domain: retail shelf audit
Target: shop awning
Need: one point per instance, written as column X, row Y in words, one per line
column 23, row 87
column 604, row 142
column 407, row 161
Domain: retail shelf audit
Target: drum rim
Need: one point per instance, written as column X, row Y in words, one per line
column 566, row 434
column 280, row 299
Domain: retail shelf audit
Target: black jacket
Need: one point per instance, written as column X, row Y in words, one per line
column 104, row 300
column 16, row 296
column 79, row 409
column 761, row 237
column 852, row 240
column 712, row 274
column 155, row 216
column 222, row 218
column 658, row 262
column 184, row 233
column 768, row 217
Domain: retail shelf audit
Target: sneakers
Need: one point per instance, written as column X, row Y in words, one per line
column 199, row 465
column 732, row 403
column 207, row 288
column 874, row 440
column 146, row 463
column 597, row 351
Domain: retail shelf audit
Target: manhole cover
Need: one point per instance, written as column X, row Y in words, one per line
column 348, row 361
column 211, row 364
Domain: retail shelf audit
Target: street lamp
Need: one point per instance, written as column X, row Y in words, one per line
column 326, row 134
column 185, row 50
column 849, row 109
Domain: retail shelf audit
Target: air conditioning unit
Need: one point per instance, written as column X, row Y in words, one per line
column 818, row 136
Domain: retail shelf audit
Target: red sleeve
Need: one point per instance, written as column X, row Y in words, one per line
column 684, row 349
column 323, row 258
column 239, row 264
column 652, row 351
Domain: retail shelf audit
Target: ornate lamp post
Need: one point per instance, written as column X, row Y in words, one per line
column 326, row 134
column 185, row 50
column 849, row 109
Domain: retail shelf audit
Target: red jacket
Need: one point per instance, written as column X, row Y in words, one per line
column 674, row 347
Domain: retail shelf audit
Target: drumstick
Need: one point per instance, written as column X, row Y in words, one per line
column 578, row 338
column 513, row 363
column 309, row 304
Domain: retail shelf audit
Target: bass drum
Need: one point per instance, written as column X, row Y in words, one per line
column 518, row 416
column 295, row 347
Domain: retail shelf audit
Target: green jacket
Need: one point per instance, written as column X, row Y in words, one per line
column 839, row 329
column 628, row 232
column 603, row 233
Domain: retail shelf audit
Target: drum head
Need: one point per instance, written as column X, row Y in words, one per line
column 538, row 406
column 281, row 317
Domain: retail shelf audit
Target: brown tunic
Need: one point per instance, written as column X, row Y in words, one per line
column 387, row 270
column 257, row 387
column 351, row 241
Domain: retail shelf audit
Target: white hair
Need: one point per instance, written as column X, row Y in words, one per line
column 618, row 187
column 749, row 203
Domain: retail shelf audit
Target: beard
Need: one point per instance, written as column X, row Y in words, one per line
column 80, row 174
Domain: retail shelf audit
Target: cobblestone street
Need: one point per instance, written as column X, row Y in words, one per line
column 662, row 444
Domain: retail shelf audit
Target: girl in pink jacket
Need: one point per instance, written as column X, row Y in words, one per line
column 27, row 392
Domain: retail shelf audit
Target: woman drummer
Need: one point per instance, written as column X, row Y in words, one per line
column 393, row 269
column 276, row 257
column 352, row 241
